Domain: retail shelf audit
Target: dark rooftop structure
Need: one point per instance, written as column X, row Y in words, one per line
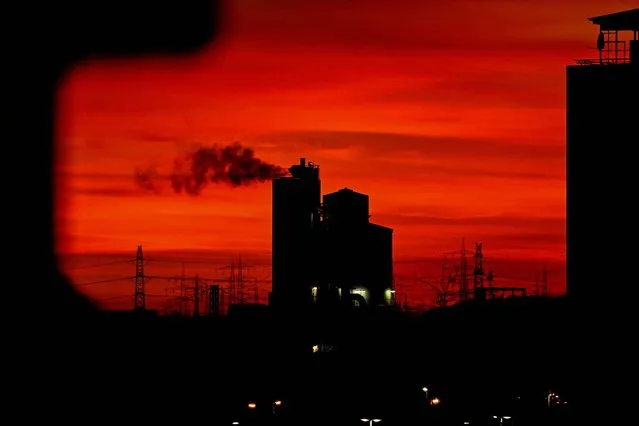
column 614, row 50
column 628, row 20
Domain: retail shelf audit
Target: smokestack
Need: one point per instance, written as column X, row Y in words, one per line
column 303, row 162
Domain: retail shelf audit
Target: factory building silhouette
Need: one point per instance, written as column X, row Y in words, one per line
column 601, row 120
column 327, row 252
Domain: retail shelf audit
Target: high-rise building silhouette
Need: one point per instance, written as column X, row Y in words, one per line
column 296, row 219
column 602, row 118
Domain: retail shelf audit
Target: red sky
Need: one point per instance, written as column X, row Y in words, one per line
column 450, row 115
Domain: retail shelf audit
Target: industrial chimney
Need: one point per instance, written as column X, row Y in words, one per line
column 296, row 203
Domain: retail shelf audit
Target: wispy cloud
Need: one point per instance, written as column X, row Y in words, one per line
column 109, row 192
column 502, row 221
column 429, row 146
column 404, row 25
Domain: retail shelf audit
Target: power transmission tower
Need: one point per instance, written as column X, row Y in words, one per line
column 140, row 299
column 214, row 300
column 232, row 284
column 183, row 290
column 448, row 281
column 463, row 282
column 196, row 297
column 490, row 278
column 240, row 283
column 441, row 297
column 478, row 273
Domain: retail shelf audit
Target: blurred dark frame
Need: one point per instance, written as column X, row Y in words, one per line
column 68, row 358
column 45, row 41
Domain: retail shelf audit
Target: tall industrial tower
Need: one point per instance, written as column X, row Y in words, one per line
column 478, row 273
column 602, row 113
column 140, row 298
column 296, row 209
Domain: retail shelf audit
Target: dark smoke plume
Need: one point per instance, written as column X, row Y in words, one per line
column 146, row 179
column 233, row 164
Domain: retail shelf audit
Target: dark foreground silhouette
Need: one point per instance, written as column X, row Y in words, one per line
column 498, row 357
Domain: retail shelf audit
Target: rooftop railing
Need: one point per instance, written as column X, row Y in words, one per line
column 604, row 61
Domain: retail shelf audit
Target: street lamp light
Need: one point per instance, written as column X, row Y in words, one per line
column 553, row 397
column 425, row 390
column 370, row 421
column 501, row 419
column 235, row 423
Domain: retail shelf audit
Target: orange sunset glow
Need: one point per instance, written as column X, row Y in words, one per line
column 450, row 115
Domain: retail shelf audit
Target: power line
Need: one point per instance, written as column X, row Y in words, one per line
column 194, row 260
column 103, row 281
column 191, row 278
column 169, row 260
column 114, row 297
column 97, row 265
column 523, row 280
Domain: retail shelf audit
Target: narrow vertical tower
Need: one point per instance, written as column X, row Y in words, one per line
column 140, row 299
column 240, row 282
column 214, row 300
column 463, row 272
column 544, row 282
column 232, row 284
column 296, row 204
column 478, row 273
column 183, row 290
column 490, row 278
column 196, row 297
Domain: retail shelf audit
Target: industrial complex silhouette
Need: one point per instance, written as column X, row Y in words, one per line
column 327, row 253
